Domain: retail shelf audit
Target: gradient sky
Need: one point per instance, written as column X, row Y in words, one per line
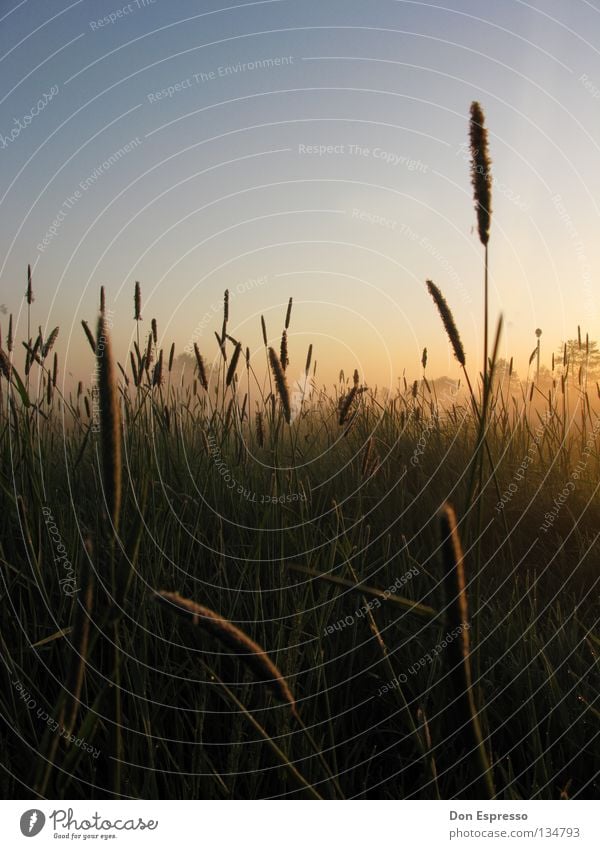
column 220, row 191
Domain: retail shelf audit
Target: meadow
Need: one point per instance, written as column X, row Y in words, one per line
column 221, row 583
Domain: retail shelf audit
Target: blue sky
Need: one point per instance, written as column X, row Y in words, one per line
column 327, row 164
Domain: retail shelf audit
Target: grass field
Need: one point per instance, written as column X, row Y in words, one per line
column 222, row 582
column 321, row 541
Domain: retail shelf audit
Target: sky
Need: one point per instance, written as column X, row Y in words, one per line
column 314, row 150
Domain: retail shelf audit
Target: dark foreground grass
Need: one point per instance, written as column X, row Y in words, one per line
column 321, row 541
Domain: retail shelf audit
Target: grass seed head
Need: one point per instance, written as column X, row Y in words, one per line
column 260, row 430
column 149, row 350
column 308, row 360
column 110, row 422
column 225, row 308
column 233, row 364
column 158, row 369
column 281, row 384
column 134, row 370
column 264, row 329
column 283, row 356
column 201, row 368
column 47, row 347
column 5, row 365
column 346, row 404
column 29, row 292
column 448, row 322
column 137, row 302
column 233, row 638
column 481, row 174
column 89, row 335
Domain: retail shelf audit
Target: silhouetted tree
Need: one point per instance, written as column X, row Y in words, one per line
column 579, row 355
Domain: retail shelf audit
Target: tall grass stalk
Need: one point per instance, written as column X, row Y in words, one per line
column 462, row 714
